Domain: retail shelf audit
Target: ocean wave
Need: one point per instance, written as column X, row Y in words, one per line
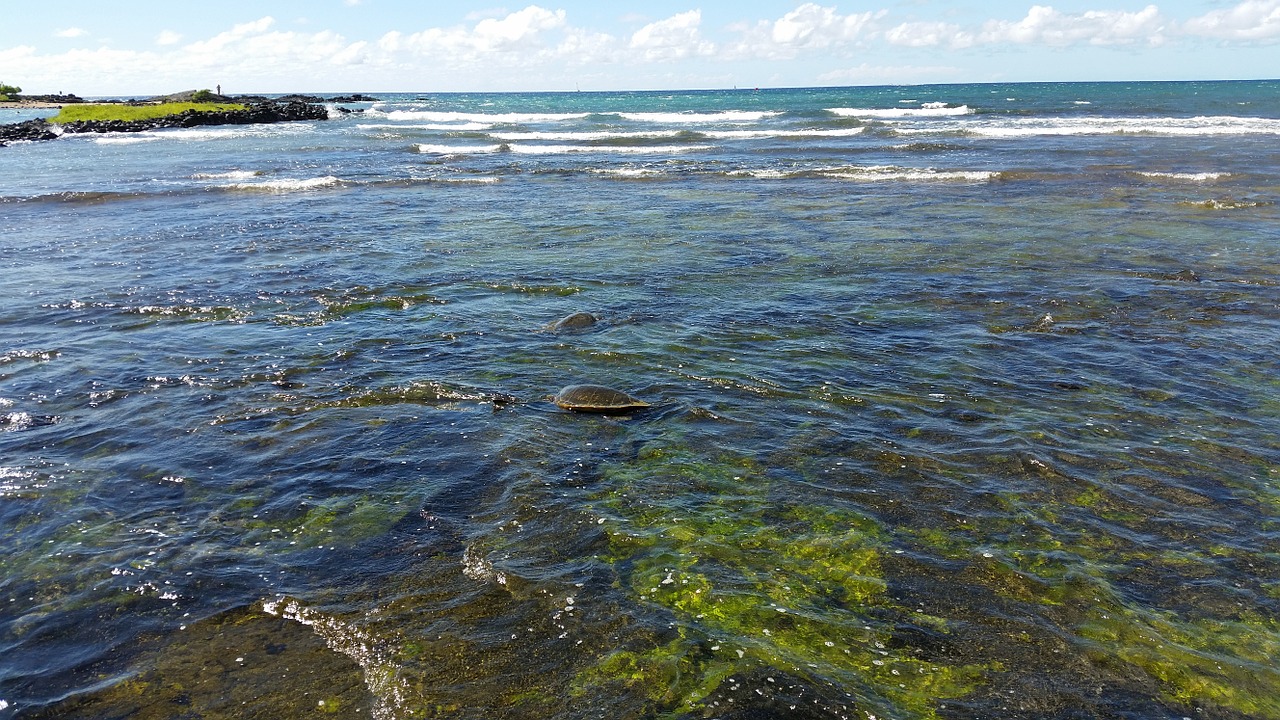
column 728, row 116
column 229, row 175
column 430, row 149
column 629, row 173
column 1227, row 203
column 125, row 139
column 1186, row 177
column 586, row 136
column 763, row 134
column 1195, row 126
column 464, row 117
column 443, row 127
column 630, row 149
column 555, row 149
column 926, row 110
column 287, row 185
column 89, row 197
column 870, row 173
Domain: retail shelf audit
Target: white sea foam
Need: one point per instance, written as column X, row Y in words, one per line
column 762, row 134
column 585, row 136
column 429, row 149
column 926, row 110
column 629, row 173
column 490, row 118
column 446, row 127
column 869, row 173
column 605, row 149
column 1186, row 177
column 483, row 180
column 229, row 175
column 16, row 421
column 371, row 652
column 287, row 185
column 1031, row 127
column 125, row 139
column 728, row 116
column 872, row 173
column 451, row 150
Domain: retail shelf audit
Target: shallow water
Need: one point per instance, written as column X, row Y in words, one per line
column 951, row 418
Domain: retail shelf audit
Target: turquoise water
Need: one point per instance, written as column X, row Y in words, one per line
column 964, row 405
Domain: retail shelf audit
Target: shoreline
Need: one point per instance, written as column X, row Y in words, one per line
column 41, row 129
column 29, row 105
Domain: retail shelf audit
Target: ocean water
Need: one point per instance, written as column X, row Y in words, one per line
column 964, row 404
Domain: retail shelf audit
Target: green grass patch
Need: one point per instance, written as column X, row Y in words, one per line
column 113, row 111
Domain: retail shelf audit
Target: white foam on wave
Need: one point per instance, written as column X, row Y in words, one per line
column 450, row 150
column 1194, row 126
column 763, row 134
column 628, row 173
column 728, row 116
column 16, row 421
column 926, row 110
column 605, row 149
column 584, row 136
column 287, row 185
column 869, row 173
column 125, row 139
column 1186, row 177
column 429, row 149
column 229, row 175
column 375, row 655
column 483, row 180
column 446, row 127
column 872, row 173
column 490, row 118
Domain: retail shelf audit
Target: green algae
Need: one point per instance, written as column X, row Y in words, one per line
column 1213, row 662
column 753, row 581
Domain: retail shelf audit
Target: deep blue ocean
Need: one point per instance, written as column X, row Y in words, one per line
column 964, row 403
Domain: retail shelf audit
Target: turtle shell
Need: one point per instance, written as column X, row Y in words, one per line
column 576, row 321
column 596, row 398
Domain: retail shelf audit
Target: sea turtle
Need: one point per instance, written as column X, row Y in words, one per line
column 576, row 321
column 596, row 398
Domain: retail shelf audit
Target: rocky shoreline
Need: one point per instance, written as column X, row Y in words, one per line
column 263, row 111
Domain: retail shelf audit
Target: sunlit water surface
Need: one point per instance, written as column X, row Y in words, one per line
column 965, row 404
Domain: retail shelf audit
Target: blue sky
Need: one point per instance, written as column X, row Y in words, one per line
column 269, row 46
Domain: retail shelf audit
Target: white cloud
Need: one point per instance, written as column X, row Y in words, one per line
column 1044, row 25
column 929, row 34
column 235, row 35
column 515, row 32
column 676, row 37
column 812, row 25
column 1251, row 20
column 538, row 48
column 808, row 27
column 71, row 32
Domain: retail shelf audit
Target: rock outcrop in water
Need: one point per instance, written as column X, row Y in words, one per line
column 255, row 113
column 29, row 130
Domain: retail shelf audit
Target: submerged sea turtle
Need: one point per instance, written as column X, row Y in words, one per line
column 596, row 398
column 576, row 321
